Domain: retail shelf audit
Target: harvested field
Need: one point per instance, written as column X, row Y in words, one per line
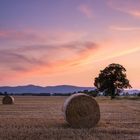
column 39, row 118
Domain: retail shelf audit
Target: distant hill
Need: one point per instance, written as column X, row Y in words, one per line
column 47, row 89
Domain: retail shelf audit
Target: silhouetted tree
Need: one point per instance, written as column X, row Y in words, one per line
column 112, row 78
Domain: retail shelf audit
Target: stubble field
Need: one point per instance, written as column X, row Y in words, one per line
column 41, row 118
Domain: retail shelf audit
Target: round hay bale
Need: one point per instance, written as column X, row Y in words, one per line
column 81, row 111
column 8, row 100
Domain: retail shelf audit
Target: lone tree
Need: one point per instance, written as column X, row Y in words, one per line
column 112, row 78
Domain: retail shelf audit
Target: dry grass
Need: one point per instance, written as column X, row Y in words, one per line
column 39, row 118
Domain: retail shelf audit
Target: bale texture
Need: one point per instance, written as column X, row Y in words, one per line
column 8, row 100
column 81, row 111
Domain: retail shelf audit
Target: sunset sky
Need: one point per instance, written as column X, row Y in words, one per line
column 56, row 42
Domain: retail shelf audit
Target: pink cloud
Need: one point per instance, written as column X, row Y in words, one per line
column 44, row 60
column 131, row 7
column 86, row 10
column 41, row 36
column 17, row 35
column 121, row 28
column 35, row 52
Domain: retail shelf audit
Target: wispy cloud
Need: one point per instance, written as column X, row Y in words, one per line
column 86, row 10
column 123, row 53
column 115, row 55
column 33, row 52
column 39, row 36
column 121, row 28
column 131, row 7
column 16, row 60
column 33, row 60
column 18, row 35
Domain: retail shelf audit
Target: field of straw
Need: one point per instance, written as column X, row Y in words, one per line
column 40, row 118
